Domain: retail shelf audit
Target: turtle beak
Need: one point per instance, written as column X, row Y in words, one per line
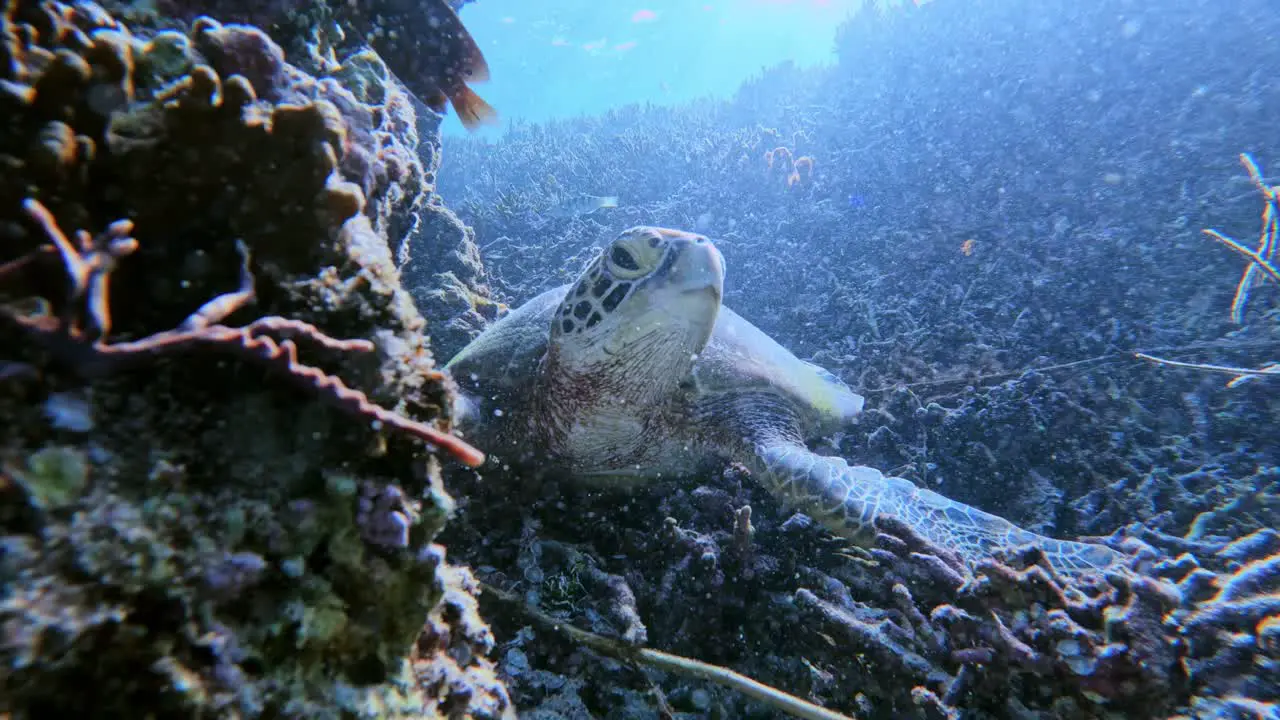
column 700, row 266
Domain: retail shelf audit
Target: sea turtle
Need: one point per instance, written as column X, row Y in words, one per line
column 638, row 371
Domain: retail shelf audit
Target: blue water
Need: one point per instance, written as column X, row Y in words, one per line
column 563, row 58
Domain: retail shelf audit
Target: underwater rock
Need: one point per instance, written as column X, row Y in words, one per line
column 442, row 269
column 199, row 550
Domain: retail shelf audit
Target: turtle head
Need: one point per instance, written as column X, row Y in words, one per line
column 640, row 313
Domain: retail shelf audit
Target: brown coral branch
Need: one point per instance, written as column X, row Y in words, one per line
column 88, row 268
column 217, row 309
column 88, row 271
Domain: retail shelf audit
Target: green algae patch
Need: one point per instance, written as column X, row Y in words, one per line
column 56, row 476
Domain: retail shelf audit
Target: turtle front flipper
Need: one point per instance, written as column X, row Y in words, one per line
column 847, row 500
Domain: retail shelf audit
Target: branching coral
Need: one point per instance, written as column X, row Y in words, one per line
column 804, row 163
column 89, row 271
column 779, row 158
column 1227, row 622
column 1010, row 632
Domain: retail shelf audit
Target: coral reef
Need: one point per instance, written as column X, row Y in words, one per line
column 906, row 626
column 406, row 34
column 388, row 154
column 194, row 521
column 983, row 272
column 1227, row 621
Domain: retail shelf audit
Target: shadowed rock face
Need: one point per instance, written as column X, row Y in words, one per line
column 423, row 42
column 434, row 250
column 275, row 553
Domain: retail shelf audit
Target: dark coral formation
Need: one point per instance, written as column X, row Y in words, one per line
column 323, row 37
column 1228, row 620
column 188, row 531
column 405, row 33
column 910, row 630
column 450, row 660
column 981, row 268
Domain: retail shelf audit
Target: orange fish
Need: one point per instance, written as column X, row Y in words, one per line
column 806, row 162
column 434, row 56
column 966, row 247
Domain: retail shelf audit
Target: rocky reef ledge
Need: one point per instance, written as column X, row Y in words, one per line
column 222, row 426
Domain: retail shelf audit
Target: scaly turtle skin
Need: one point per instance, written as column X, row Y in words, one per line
column 637, row 371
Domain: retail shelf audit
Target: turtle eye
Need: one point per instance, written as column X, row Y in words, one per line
column 623, row 259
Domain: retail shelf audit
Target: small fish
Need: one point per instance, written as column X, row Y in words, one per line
column 582, row 205
column 443, row 60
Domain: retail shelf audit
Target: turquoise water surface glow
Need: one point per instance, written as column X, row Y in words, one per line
column 561, row 58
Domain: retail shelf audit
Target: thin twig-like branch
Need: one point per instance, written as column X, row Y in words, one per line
column 773, row 697
column 1239, row 372
column 1260, row 267
column 1252, row 255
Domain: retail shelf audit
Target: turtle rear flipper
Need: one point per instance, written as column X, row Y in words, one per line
column 848, row 500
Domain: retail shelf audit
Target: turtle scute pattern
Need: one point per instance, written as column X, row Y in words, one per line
column 847, row 499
